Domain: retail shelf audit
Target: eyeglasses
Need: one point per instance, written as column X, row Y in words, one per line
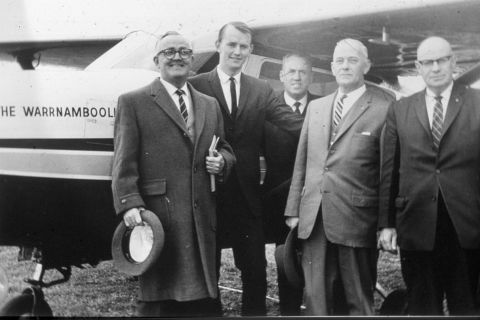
column 170, row 53
column 440, row 61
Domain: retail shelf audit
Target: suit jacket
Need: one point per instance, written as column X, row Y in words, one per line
column 280, row 150
column 156, row 165
column 257, row 104
column 341, row 174
column 415, row 173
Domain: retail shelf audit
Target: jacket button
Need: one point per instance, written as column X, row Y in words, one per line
column 434, row 198
column 326, row 168
column 437, row 171
column 123, row 200
column 185, row 135
column 195, row 205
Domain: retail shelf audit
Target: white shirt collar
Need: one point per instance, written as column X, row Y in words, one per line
column 171, row 89
column 445, row 94
column 290, row 101
column 352, row 96
column 225, row 78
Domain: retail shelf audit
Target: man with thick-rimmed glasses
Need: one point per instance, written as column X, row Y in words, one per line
column 430, row 190
column 162, row 137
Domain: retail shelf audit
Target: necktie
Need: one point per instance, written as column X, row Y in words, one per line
column 233, row 94
column 337, row 115
column 183, row 107
column 437, row 121
column 297, row 105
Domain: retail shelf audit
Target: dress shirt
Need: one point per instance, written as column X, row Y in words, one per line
column 351, row 98
column 290, row 101
column 187, row 98
column 430, row 102
column 225, row 82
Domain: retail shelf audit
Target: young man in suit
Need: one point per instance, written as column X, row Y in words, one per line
column 333, row 198
column 162, row 135
column 280, row 149
column 430, row 191
column 246, row 104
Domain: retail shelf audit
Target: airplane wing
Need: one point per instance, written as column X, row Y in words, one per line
column 390, row 30
column 75, row 53
column 390, row 34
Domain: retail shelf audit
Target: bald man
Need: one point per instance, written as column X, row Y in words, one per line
column 430, row 189
column 333, row 197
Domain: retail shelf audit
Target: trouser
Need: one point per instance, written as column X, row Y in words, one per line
column 240, row 229
column 446, row 271
column 338, row 279
column 171, row 308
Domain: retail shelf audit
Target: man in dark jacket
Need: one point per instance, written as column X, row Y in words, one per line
column 280, row 149
column 162, row 135
column 246, row 104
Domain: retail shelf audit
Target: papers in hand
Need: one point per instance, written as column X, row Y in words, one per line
column 212, row 151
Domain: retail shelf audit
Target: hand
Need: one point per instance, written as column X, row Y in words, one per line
column 387, row 240
column 215, row 164
column 132, row 217
column 291, row 222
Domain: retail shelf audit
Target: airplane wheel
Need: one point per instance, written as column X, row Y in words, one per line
column 395, row 303
column 30, row 303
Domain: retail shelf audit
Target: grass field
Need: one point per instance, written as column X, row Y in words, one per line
column 103, row 291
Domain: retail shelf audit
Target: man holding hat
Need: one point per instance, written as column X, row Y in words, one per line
column 333, row 197
column 162, row 137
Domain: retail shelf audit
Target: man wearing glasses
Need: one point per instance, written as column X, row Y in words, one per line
column 162, row 135
column 430, row 187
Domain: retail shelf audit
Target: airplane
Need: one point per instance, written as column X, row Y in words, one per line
column 56, row 127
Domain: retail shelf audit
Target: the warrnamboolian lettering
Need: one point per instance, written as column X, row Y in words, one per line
column 72, row 112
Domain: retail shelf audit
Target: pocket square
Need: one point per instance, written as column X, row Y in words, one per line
column 366, row 133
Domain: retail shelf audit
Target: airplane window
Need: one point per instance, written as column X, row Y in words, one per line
column 323, row 83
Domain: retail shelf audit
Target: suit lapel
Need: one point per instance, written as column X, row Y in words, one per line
column 421, row 111
column 244, row 89
column 323, row 120
column 454, row 105
column 198, row 106
column 165, row 102
column 217, row 90
column 358, row 108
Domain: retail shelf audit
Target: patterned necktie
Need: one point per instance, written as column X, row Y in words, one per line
column 437, row 121
column 233, row 94
column 297, row 107
column 337, row 115
column 183, row 107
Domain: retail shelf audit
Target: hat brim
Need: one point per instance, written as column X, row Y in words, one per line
column 121, row 258
column 291, row 263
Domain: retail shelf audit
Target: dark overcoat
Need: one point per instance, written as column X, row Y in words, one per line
column 157, row 166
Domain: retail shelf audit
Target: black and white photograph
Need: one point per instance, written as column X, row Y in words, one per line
column 221, row 158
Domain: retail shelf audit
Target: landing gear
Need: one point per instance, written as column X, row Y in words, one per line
column 31, row 302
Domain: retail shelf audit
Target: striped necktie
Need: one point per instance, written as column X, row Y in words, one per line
column 183, row 107
column 297, row 105
column 337, row 115
column 437, row 121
